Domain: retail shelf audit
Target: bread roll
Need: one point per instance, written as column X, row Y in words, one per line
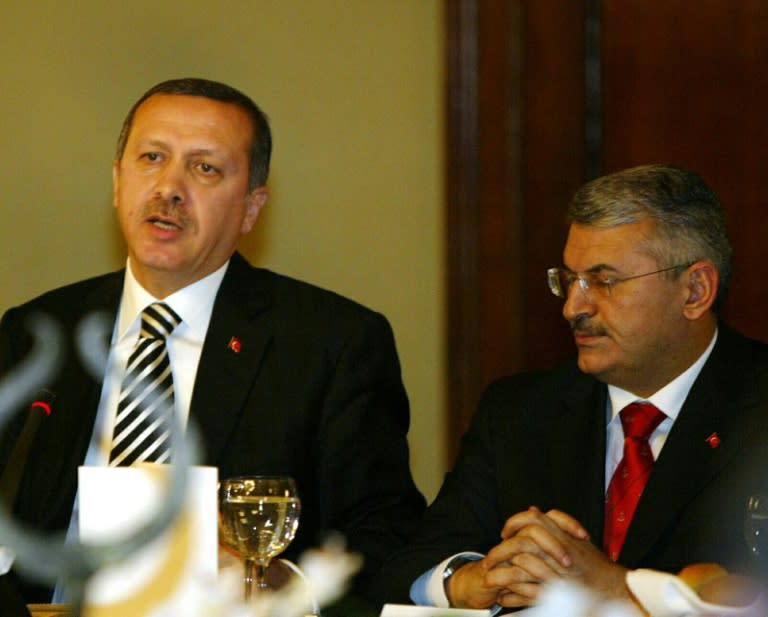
column 715, row 585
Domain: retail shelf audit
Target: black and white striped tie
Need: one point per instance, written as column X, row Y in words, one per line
column 145, row 408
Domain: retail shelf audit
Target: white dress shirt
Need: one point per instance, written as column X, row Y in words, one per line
column 669, row 399
column 194, row 304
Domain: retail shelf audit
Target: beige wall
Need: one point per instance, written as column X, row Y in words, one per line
column 353, row 90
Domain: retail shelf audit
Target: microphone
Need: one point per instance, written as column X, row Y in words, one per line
column 10, row 597
column 41, row 407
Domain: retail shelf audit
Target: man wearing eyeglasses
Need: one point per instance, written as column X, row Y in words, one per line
column 554, row 479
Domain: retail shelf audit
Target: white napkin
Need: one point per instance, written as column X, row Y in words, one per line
column 114, row 501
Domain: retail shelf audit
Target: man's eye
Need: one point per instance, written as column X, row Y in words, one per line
column 601, row 281
column 207, row 168
column 151, row 156
column 569, row 279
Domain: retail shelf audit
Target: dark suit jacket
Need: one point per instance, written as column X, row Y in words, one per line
column 539, row 439
column 314, row 392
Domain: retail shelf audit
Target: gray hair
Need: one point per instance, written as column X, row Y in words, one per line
column 690, row 222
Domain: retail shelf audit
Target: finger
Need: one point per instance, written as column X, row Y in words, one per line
column 541, row 568
column 525, row 568
column 550, row 541
column 503, row 553
column 530, row 591
column 519, row 595
column 522, row 519
column 568, row 524
column 502, row 577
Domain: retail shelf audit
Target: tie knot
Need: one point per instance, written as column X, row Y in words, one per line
column 158, row 320
column 639, row 420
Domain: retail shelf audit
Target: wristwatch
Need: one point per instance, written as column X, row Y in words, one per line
column 454, row 564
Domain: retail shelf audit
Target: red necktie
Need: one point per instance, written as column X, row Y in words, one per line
column 639, row 420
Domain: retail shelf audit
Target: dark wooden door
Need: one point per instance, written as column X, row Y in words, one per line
column 542, row 95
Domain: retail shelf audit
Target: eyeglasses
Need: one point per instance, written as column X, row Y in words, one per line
column 560, row 281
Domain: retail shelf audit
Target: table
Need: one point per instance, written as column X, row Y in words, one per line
column 49, row 610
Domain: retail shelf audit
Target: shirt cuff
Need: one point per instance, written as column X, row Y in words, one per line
column 429, row 588
column 666, row 595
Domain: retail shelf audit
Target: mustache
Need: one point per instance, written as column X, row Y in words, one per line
column 159, row 207
column 582, row 325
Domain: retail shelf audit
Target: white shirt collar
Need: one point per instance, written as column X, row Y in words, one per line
column 671, row 397
column 193, row 303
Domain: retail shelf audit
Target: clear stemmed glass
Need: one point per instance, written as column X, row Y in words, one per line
column 259, row 518
column 756, row 524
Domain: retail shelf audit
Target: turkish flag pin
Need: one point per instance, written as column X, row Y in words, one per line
column 235, row 344
column 713, row 440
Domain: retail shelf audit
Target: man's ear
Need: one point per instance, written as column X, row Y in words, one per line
column 703, row 282
column 254, row 202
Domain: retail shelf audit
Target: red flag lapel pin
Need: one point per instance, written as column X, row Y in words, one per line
column 234, row 344
column 713, row 440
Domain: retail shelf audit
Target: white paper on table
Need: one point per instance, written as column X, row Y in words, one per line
column 114, row 501
column 407, row 610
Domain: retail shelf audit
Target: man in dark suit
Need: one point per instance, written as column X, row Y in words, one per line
column 279, row 376
column 647, row 261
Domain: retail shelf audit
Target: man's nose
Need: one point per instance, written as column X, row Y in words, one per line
column 171, row 185
column 578, row 301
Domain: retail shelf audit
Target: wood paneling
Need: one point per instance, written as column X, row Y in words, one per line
column 688, row 84
column 682, row 82
column 554, row 165
column 483, row 209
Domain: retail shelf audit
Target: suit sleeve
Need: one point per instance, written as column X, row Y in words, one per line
column 366, row 488
column 465, row 516
column 9, row 357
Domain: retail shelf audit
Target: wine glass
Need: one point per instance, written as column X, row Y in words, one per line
column 259, row 518
column 756, row 524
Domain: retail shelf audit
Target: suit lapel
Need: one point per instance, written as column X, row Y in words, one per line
column 238, row 336
column 720, row 399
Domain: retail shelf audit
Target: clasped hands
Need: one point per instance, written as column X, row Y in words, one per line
column 535, row 547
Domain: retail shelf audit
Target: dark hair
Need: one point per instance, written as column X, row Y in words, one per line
column 690, row 222
column 261, row 143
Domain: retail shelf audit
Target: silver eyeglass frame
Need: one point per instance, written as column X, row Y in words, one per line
column 590, row 281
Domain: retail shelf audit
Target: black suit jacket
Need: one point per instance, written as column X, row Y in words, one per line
column 539, row 439
column 314, row 392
